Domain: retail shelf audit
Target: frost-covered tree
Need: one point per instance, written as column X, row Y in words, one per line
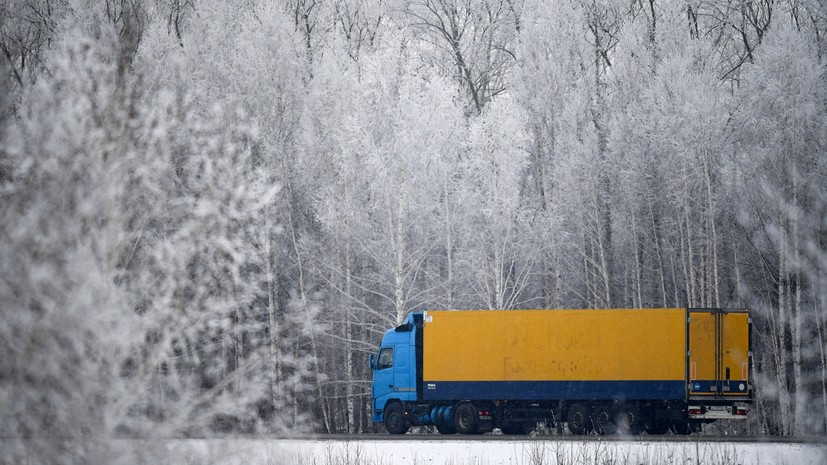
column 134, row 212
column 780, row 146
column 551, row 76
column 332, row 172
column 495, row 249
column 381, row 177
column 361, row 23
column 399, row 127
column 28, row 30
column 470, row 40
column 675, row 126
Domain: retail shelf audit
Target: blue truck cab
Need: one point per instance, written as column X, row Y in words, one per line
column 395, row 368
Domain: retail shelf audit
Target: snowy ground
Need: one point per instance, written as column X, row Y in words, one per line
column 502, row 452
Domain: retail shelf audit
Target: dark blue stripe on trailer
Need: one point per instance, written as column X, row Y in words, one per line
column 553, row 390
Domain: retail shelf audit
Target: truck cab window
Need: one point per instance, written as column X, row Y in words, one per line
column 385, row 359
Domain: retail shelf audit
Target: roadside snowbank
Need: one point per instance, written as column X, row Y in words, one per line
column 517, row 452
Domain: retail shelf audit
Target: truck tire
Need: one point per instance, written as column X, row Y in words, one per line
column 602, row 419
column 465, row 419
column 395, row 421
column 444, row 429
column 627, row 419
column 579, row 420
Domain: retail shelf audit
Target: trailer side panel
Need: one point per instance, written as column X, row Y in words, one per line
column 555, row 354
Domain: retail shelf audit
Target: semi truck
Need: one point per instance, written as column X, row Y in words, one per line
column 592, row 371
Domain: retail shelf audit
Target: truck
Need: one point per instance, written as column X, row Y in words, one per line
column 593, row 371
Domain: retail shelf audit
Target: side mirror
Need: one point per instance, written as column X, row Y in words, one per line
column 370, row 361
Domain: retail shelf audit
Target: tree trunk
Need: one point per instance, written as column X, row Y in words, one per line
column 690, row 253
column 711, row 226
column 319, row 387
column 272, row 311
column 399, row 252
column 588, row 274
column 637, row 257
column 238, row 336
column 656, row 240
column 350, row 396
column 449, row 246
column 304, row 306
column 499, row 270
column 780, row 342
column 674, row 280
column 602, row 238
column 800, row 407
column 823, row 353
column 690, row 301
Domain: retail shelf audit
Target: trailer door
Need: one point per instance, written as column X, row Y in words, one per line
column 735, row 353
column 718, row 347
column 703, row 347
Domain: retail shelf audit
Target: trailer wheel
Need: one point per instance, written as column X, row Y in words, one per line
column 395, row 421
column 602, row 420
column 627, row 420
column 578, row 419
column 465, row 418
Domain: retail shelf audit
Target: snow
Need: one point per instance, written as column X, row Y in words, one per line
column 496, row 452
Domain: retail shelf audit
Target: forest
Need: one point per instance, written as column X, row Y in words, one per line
column 211, row 210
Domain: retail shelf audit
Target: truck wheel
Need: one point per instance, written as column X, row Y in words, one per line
column 395, row 421
column 465, row 419
column 578, row 419
column 446, row 429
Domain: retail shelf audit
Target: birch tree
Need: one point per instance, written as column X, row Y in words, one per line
column 340, row 196
column 382, row 186
column 498, row 251
column 549, row 74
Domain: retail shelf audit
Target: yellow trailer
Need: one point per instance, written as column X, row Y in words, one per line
column 550, row 354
